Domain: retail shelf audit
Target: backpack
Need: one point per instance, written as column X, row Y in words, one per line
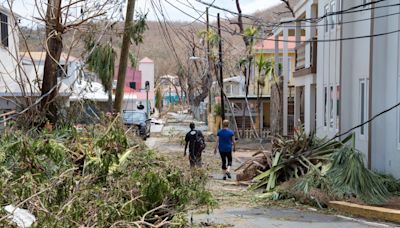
column 200, row 142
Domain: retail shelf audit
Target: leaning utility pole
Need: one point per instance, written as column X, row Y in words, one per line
column 208, row 59
column 123, row 60
column 221, row 78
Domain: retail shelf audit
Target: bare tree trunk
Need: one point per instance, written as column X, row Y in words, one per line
column 276, row 107
column 123, row 60
column 54, row 44
column 110, row 99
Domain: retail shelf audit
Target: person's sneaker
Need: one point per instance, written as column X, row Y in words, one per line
column 224, row 178
column 229, row 175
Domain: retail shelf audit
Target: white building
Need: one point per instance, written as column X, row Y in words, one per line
column 146, row 66
column 9, row 67
column 383, row 77
column 357, row 75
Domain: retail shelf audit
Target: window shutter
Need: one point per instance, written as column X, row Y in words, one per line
column 4, row 29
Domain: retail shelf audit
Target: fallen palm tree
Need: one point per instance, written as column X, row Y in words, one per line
column 333, row 167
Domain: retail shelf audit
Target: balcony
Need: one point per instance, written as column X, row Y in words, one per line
column 301, row 68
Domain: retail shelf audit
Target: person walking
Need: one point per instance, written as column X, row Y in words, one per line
column 195, row 140
column 225, row 144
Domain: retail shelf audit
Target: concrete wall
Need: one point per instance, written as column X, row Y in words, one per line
column 328, row 71
column 385, row 79
column 355, row 74
column 147, row 69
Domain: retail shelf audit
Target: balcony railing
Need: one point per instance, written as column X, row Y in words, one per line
column 301, row 68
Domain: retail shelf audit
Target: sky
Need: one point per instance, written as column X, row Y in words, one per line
column 26, row 8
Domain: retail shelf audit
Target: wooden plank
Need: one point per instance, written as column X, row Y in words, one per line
column 369, row 212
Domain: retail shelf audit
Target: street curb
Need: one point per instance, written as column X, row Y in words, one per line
column 368, row 212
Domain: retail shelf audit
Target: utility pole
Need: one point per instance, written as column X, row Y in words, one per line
column 208, row 60
column 221, row 78
column 123, row 60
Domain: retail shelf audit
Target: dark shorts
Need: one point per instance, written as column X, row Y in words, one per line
column 195, row 159
column 226, row 158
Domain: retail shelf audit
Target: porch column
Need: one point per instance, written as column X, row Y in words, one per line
column 276, row 55
column 285, row 74
column 309, row 108
column 297, row 105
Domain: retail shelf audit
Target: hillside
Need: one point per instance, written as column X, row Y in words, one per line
column 159, row 40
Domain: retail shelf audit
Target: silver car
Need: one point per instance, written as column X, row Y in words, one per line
column 139, row 121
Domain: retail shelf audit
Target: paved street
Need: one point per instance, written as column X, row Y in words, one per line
column 236, row 207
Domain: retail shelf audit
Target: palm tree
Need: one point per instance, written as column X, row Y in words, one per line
column 102, row 61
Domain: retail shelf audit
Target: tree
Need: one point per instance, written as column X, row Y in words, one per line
column 102, row 61
column 54, row 31
column 59, row 21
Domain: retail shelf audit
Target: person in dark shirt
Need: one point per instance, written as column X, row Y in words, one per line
column 194, row 149
column 225, row 144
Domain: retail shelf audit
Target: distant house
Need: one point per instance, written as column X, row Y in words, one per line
column 170, row 89
column 266, row 49
column 70, row 70
column 135, row 83
column 234, row 86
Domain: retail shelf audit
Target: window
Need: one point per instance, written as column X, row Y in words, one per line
column 337, row 107
column 333, row 17
column 331, row 108
column 4, row 29
column 363, row 105
column 325, row 105
column 326, row 18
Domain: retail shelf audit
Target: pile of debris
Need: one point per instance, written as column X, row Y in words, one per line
column 96, row 175
column 334, row 169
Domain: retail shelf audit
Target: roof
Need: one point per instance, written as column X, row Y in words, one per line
column 11, row 84
column 146, row 60
column 7, row 11
column 40, row 56
column 235, row 79
column 269, row 44
column 170, row 77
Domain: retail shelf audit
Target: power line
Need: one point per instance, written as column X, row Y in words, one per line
column 312, row 25
column 316, row 19
column 292, row 41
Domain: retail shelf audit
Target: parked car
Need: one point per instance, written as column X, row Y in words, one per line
column 139, row 121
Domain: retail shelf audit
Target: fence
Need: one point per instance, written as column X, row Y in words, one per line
column 249, row 134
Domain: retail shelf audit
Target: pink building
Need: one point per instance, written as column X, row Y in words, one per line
column 137, row 78
column 131, row 76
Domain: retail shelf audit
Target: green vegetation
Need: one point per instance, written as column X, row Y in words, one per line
column 333, row 168
column 102, row 60
column 217, row 110
column 93, row 176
